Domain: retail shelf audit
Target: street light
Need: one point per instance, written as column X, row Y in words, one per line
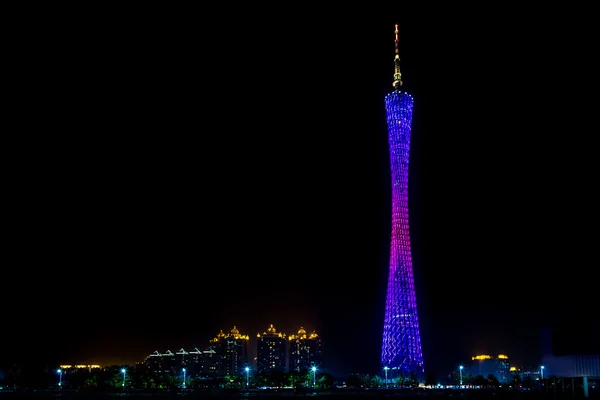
column 542, row 371
column 123, row 371
column 386, row 369
column 184, row 378
column 314, row 370
column 247, row 372
column 460, row 368
column 59, row 372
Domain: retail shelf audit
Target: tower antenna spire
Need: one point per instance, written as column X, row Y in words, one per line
column 397, row 75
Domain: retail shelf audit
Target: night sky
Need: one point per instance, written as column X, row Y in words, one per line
column 175, row 175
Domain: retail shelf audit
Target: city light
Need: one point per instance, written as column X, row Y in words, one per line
column 59, row 372
column 401, row 345
column 123, row 371
column 385, row 369
column 460, row 368
column 542, row 371
column 184, row 378
column 247, row 372
column 314, row 371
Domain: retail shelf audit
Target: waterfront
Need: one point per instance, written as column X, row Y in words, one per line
column 274, row 395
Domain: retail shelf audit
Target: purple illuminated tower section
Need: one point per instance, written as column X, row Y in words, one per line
column 401, row 349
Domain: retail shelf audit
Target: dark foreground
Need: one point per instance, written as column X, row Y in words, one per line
column 276, row 395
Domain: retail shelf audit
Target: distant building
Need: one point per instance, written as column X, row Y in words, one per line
column 228, row 355
column 271, row 351
column 198, row 363
column 524, row 373
column 571, row 357
column 79, row 367
column 165, row 363
column 571, row 350
column 486, row 365
column 231, row 351
column 304, row 351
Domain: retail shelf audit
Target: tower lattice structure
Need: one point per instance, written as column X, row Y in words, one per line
column 401, row 348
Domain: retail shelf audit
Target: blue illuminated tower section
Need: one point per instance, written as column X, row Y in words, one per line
column 401, row 349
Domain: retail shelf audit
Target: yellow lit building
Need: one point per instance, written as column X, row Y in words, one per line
column 232, row 349
column 305, row 350
column 486, row 365
column 271, row 351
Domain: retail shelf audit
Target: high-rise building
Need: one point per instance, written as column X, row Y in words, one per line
column 198, row 363
column 271, row 351
column 167, row 363
column 305, row 351
column 401, row 349
column 486, row 365
column 232, row 349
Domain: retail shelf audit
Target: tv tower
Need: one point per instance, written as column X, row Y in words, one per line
column 401, row 349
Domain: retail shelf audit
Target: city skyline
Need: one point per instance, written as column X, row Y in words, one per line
column 252, row 343
column 167, row 183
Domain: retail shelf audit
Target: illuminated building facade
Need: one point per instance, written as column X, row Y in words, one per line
column 305, row 350
column 67, row 369
column 486, row 365
column 232, row 349
column 198, row 363
column 570, row 361
column 164, row 363
column 79, row 367
column 271, row 351
column 401, row 348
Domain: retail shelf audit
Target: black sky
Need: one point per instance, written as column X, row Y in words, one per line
column 174, row 176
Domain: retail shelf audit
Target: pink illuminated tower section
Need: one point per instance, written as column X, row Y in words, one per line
column 401, row 352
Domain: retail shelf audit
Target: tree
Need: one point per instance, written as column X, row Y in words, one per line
column 469, row 379
column 326, row 380
column 376, row 381
column 479, row 380
column 370, row 380
column 492, row 381
column 413, row 380
column 278, row 378
column 517, row 381
column 402, row 380
column 430, row 379
column 353, row 381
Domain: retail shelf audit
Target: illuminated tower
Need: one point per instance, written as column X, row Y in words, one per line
column 401, row 349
